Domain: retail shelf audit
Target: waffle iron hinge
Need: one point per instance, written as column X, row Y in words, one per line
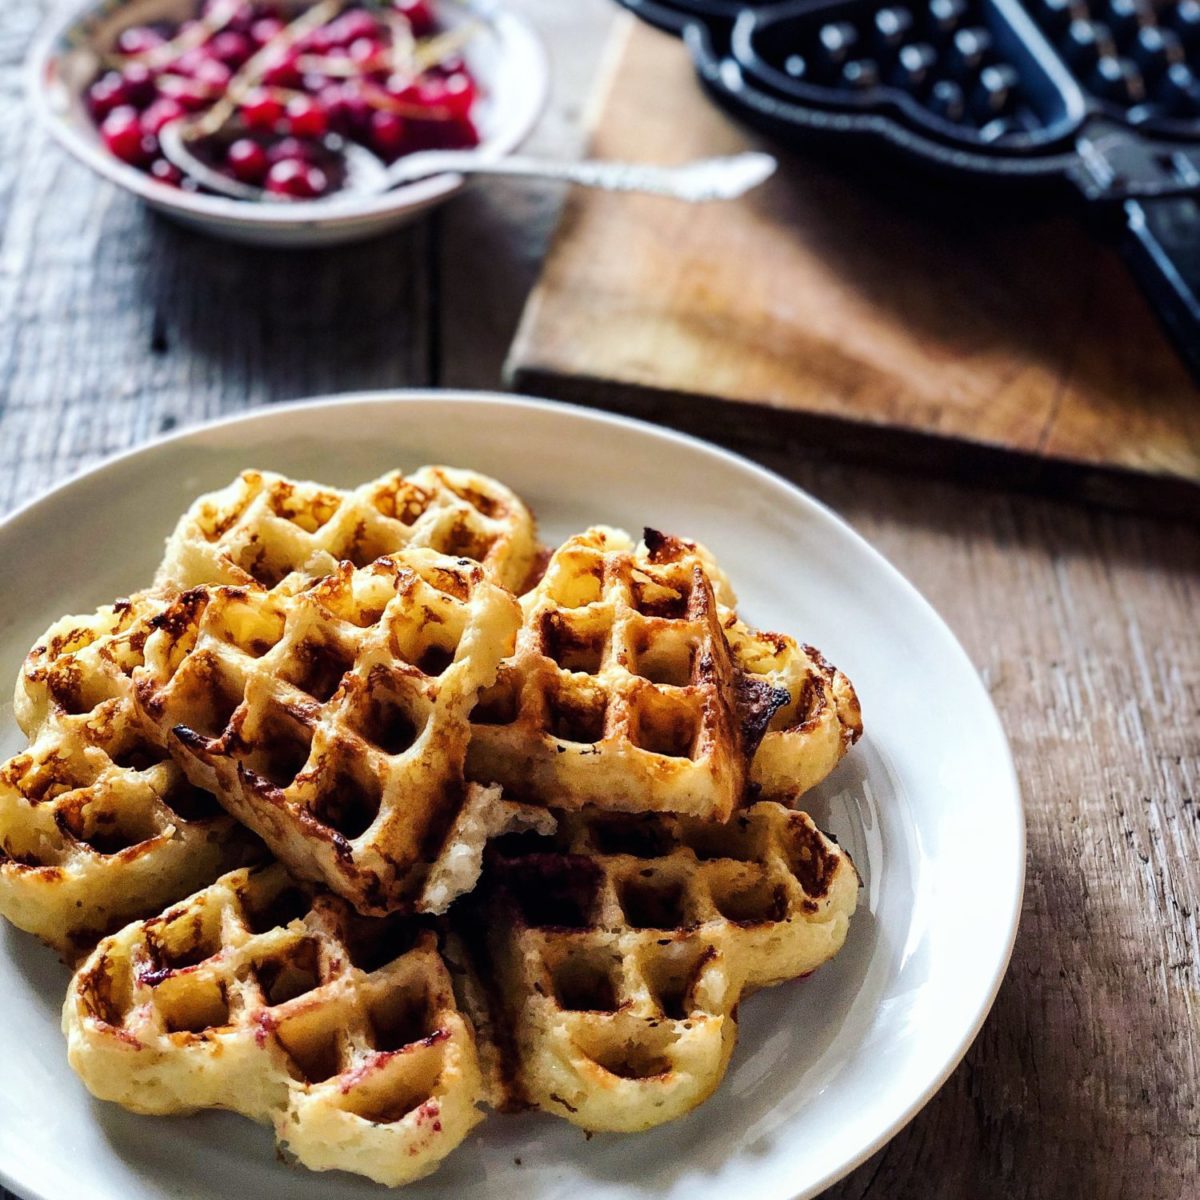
column 1115, row 163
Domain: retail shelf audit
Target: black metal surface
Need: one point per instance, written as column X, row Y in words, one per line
column 1100, row 95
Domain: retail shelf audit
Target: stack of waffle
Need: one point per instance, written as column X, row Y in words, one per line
column 370, row 813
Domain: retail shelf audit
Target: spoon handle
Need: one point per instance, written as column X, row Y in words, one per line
column 704, row 179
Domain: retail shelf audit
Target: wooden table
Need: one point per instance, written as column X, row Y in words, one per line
column 1085, row 1081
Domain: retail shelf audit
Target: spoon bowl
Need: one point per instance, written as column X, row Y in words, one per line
column 505, row 56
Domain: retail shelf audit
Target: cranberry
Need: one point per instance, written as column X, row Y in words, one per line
column 287, row 148
column 107, row 93
column 166, row 172
column 364, row 51
column 163, row 111
column 419, row 16
column 231, row 48
column 306, row 118
column 297, row 179
column 345, row 106
column 213, row 74
column 283, row 71
column 190, row 61
column 247, row 160
column 123, row 135
column 139, row 39
column 454, row 95
column 266, row 29
column 140, row 87
column 260, row 110
column 188, row 93
column 388, row 132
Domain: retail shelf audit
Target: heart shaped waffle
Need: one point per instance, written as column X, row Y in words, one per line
column 263, row 527
column 97, row 824
column 635, row 687
column 604, row 974
column 280, row 1003
column 333, row 721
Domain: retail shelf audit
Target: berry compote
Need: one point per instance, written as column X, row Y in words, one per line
column 284, row 85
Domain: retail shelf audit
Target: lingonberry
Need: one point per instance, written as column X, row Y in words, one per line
column 387, row 133
column 139, row 39
column 297, row 179
column 123, row 135
column 247, row 160
column 261, row 110
column 306, row 118
column 164, row 110
column 166, row 172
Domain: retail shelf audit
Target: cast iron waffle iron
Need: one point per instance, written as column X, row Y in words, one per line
column 1101, row 95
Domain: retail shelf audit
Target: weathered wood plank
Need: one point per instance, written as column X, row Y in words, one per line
column 863, row 312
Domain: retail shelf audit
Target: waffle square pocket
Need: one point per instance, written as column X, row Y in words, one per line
column 333, row 721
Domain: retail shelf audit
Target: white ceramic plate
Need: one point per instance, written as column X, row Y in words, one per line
column 828, row 1068
column 505, row 56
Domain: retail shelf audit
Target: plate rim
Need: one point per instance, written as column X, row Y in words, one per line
column 982, row 1007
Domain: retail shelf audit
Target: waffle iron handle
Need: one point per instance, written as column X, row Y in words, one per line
column 1161, row 245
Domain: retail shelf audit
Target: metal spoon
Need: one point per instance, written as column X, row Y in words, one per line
column 366, row 175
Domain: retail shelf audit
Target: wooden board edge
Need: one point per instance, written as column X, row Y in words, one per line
column 749, row 427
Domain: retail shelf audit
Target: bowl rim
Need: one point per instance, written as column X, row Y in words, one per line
column 511, row 29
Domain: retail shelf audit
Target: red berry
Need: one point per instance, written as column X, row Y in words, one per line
column 166, row 172
column 401, row 88
column 260, row 110
column 306, row 118
column 418, row 14
column 139, row 39
column 213, row 74
column 344, row 105
column 122, row 134
column 283, row 72
column 163, row 111
column 297, row 179
column 247, row 160
column 107, row 93
column 288, row 148
column 266, row 29
column 454, row 95
column 388, row 132
column 189, row 94
column 364, row 50
column 139, row 84
column 190, row 61
column 231, row 48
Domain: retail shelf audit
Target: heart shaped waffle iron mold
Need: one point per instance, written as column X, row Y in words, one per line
column 1102, row 95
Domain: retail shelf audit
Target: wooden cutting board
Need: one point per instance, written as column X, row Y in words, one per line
column 830, row 314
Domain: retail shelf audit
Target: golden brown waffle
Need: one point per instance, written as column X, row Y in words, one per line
column 623, row 692
column 808, row 734
column 605, row 974
column 333, row 721
column 82, row 661
column 263, row 527
column 261, row 996
column 97, row 825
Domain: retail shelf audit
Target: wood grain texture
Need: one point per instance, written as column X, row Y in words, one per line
column 1083, row 1083
column 864, row 314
